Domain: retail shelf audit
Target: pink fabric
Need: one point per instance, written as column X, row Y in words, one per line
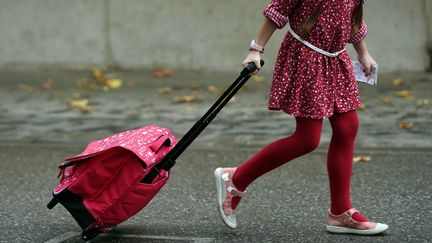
column 345, row 220
column 146, row 143
column 139, row 141
column 229, row 205
column 305, row 82
column 107, row 174
column 360, row 35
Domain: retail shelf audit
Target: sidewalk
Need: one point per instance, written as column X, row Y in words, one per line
column 31, row 113
column 38, row 129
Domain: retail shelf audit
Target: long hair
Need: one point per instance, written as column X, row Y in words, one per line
column 357, row 18
column 307, row 26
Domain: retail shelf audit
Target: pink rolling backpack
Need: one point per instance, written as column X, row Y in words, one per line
column 114, row 178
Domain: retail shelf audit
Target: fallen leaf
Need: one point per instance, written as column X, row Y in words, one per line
column 186, row 99
column 232, row 100
column 423, row 102
column 162, row 72
column 114, row 83
column 405, row 94
column 166, row 90
column 361, row 158
column 397, row 82
column 48, row 85
column 212, row 89
column 405, row 125
column 99, row 76
column 27, row 88
column 81, row 105
column 386, row 100
column 258, row 78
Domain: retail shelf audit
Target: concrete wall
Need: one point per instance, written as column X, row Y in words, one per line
column 192, row 34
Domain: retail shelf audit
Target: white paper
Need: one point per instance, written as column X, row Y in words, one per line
column 360, row 75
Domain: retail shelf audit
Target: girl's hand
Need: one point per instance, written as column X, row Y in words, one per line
column 367, row 61
column 255, row 57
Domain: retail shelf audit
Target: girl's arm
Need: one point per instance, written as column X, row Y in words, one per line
column 266, row 31
column 363, row 56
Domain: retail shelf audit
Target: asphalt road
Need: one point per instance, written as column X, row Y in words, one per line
column 286, row 205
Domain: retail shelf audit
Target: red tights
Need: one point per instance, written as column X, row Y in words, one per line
column 305, row 139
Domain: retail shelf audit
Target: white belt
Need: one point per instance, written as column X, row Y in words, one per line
column 329, row 54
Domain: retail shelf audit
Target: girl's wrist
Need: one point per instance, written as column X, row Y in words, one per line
column 254, row 46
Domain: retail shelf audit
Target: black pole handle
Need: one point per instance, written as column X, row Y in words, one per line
column 250, row 68
column 169, row 160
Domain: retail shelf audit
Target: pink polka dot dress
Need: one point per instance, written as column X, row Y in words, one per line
column 305, row 82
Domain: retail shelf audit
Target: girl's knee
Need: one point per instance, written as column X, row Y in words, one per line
column 345, row 125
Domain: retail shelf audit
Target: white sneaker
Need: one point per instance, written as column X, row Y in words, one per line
column 345, row 224
column 225, row 192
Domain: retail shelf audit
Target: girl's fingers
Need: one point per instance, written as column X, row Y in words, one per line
column 367, row 70
column 258, row 64
column 255, row 58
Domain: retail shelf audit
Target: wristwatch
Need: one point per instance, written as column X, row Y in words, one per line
column 254, row 46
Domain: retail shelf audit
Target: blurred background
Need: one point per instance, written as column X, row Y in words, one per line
column 186, row 34
column 94, row 67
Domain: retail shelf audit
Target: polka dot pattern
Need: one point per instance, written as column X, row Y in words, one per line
column 305, row 82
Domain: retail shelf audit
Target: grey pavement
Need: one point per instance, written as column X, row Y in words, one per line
column 38, row 130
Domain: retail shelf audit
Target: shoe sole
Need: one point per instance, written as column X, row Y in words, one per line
column 219, row 185
column 380, row 228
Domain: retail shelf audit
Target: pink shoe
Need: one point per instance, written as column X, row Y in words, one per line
column 345, row 224
column 225, row 192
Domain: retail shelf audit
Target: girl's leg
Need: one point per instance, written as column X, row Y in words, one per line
column 339, row 161
column 304, row 140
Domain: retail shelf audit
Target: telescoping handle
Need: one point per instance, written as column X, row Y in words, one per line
column 169, row 160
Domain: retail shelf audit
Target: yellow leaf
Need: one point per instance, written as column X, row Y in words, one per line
column 27, row 88
column 258, row 78
column 98, row 75
column 186, row 99
column 405, row 125
column 166, row 90
column 361, row 158
column 212, row 88
column 405, row 94
column 397, row 82
column 81, row 105
column 114, row 83
column 386, row 100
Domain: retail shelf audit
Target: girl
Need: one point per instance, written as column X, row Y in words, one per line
column 313, row 79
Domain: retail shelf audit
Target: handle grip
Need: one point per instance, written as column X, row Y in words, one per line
column 250, row 68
